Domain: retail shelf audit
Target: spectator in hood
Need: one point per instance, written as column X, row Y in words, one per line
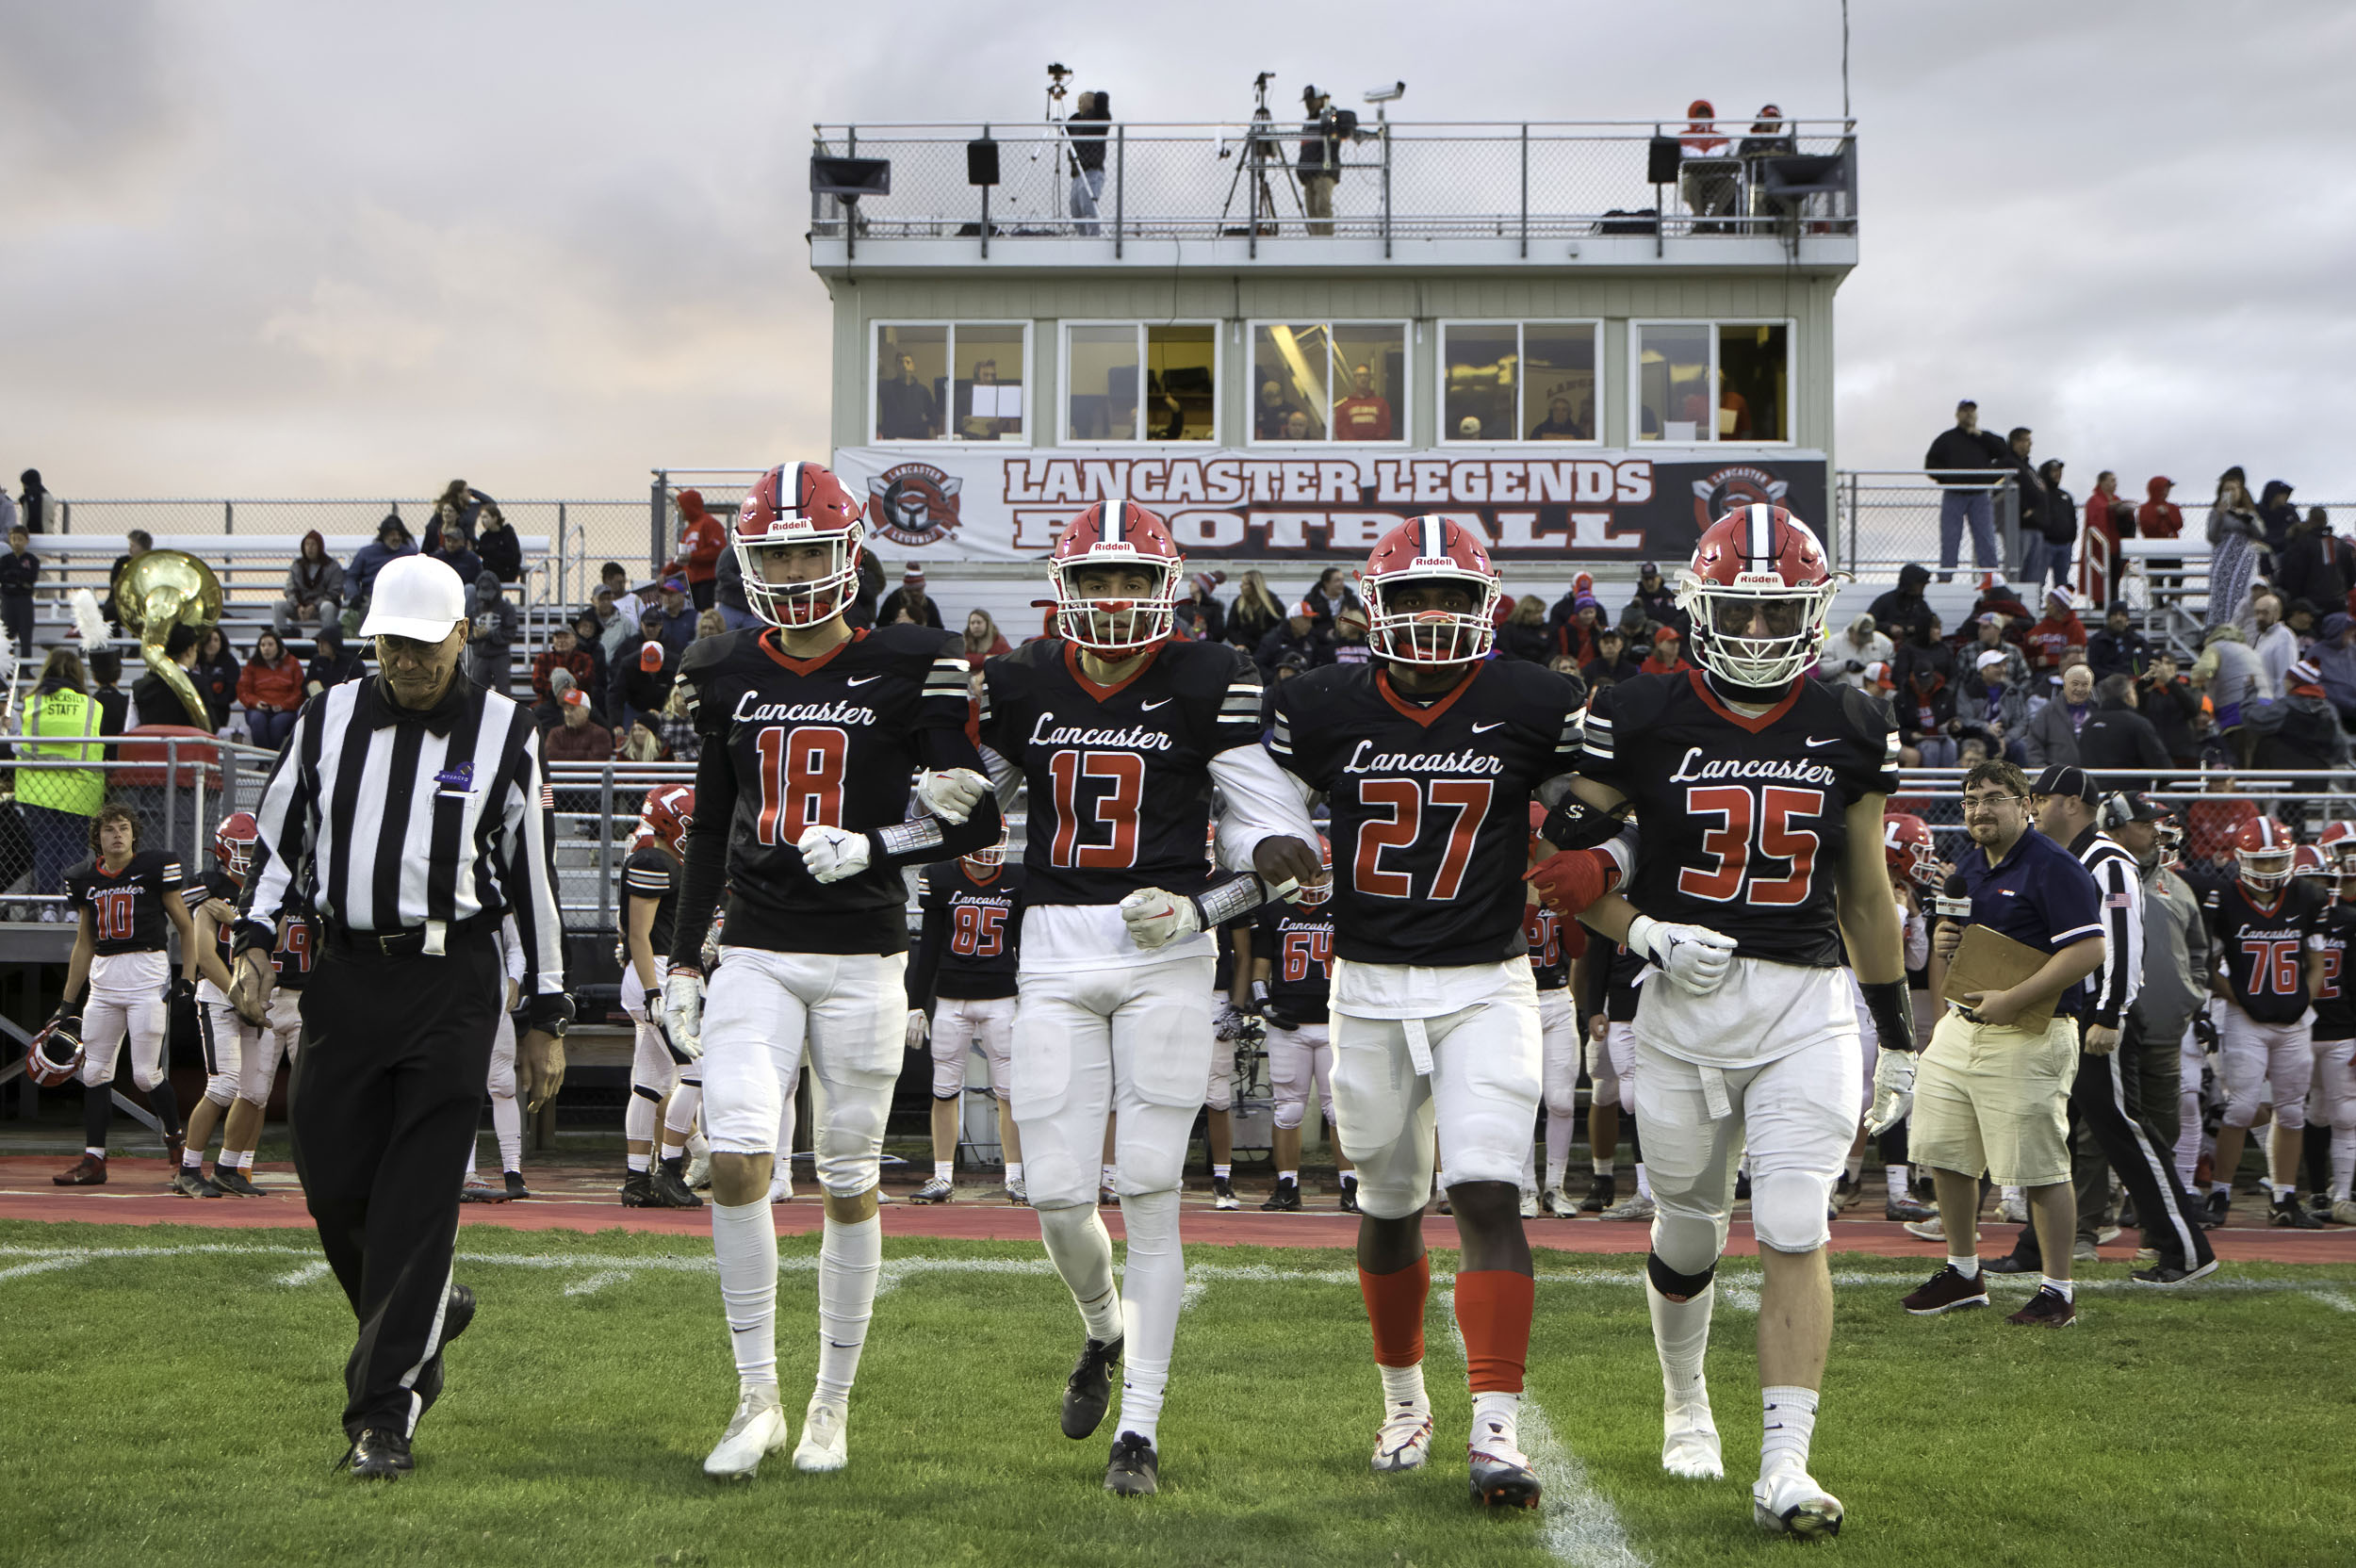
column 2018, row 443
column 271, row 690
column 1925, row 672
column 1612, row 662
column 1667, row 656
column 727, row 596
column 2119, row 648
column 2309, row 734
column 2167, row 697
column 2115, row 736
column 909, row 601
column 2238, row 547
column 1993, row 702
column 588, row 638
column 392, row 542
column 496, row 625
column 36, row 507
column 497, row 546
column 1902, row 611
column 2052, row 739
column 20, row 570
column 1967, row 460
column 702, row 540
column 153, row 701
column 2277, row 514
column 2108, row 520
column 2317, row 565
column 2158, row 518
column 2057, row 633
column 1709, row 180
column 1199, row 612
column 1658, row 599
column 2045, row 555
column 216, row 674
column 2276, row 645
column 2334, row 658
column 315, row 587
column 1846, row 655
column 331, row 663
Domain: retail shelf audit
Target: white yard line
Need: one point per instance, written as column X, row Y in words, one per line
column 596, row 1282
column 303, row 1275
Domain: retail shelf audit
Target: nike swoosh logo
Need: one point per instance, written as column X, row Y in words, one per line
column 863, row 679
column 1813, row 743
column 1149, row 707
column 1484, row 729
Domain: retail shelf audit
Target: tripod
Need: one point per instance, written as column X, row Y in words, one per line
column 1259, row 154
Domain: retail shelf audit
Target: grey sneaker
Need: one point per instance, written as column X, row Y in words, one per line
column 1635, row 1206
column 935, row 1191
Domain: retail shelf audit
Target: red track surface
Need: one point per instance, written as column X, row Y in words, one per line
column 574, row 1198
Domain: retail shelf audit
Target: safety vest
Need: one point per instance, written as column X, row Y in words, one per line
column 80, row 790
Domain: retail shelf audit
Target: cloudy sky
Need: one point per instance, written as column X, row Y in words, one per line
column 276, row 249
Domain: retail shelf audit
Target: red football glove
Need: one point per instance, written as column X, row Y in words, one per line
column 1571, row 879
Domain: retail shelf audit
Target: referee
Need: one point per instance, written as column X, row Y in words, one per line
column 405, row 810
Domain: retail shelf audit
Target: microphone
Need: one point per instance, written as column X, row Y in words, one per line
column 1954, row 900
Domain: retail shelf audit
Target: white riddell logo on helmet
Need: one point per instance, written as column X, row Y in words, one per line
column 1432, row 560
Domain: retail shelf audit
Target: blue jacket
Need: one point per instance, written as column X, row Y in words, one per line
column 369, row 560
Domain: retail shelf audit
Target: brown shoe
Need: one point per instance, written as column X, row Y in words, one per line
column 90, row 1172
column 2047, row 1308
column 1947, row 1290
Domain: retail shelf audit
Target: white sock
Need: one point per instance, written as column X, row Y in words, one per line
column 192, row 1157
column 245, row 1159
column 2283, row 1190
column 1969, row 1267
column 2342, row 1163
column 1222, row 1173
column 942, row 1170
column 745, row 1239
column 507, row 1120
column 2063, row 1289
column 1014, row 1172
column 1497, row 1418
column 1402, row 1389
column 1292, row 1176
column 1603, row 1164
column 1559, row 1129
column 1857, row 1167
column 1643, row 1183
column 1898, row 1179
column 1680, row 1334
column 1154, row 1288
column 1350, row 1179
column 638, row 1161
column 850, row 1256
column 1790, row 1426
column 1082, row 1251
column 1105, row 1177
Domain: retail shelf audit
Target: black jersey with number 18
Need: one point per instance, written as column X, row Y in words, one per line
column 1743, row 821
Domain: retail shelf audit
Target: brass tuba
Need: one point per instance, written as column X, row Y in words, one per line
column 158, row 590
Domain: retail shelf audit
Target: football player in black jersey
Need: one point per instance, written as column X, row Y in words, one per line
column 1759, row 793
column 961, row 994
column 2259, row 928
column 1119, row 732
column 226, row 1039
column 275, row 1042
column 1292, row 975
column 2335, row 1019
column 1557, row 947
column 118, row 978
column 659, row 1071
column 812, row 730
column 1428, row 756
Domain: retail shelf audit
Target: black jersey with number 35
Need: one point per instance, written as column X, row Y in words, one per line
column 1118, row 776
column 1430, row 802
column 126, row 906
column 2264, row 947
column 1743, row 821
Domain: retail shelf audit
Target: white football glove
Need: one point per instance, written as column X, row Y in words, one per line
column 1693, row 957
column 684, row 1010
column 919, row 1027
column 1156, row 918
column 1894, row 1092
column 832, row 854
column 951, row 795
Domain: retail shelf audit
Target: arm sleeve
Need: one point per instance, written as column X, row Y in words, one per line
column 1263, row 801
column 941, row 749
column 926, row 967
column 286, row 820
column 2122, row 947
column 1598, row 754
column 532, row 887
column 706, row 869
column 1917, row 938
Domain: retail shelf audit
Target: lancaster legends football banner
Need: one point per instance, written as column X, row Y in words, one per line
column 969, row 504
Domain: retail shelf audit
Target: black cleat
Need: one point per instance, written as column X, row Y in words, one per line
column 1350, row 1197
column 516, row 1187
column 669, row 1190
column 1285, row 1200
column 1223, row 1193
column 1741, row 1186
column 191, row 1183
column 1501, row 1480
column 1135, row 1470
column 2220, row 1202
column 1089, row 1389
column 2288, row 1213
column 233, row 1180
column 2168, row 1272
column 1602, row 1192
column 455, row 1316
column 380, row 1456
column 638, row 1190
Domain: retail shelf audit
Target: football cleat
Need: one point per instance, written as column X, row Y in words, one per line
column 516, row 1187
column 1089, row 1390
column 1405, row 1440
column 1947, row 1290
column 2165, row 1273
column 935, row 1191
column 1558, row 1203
column 89, row 1171
column 668, row 1191
column 1635, row 1206
column 1529, row 1204
column 1440, row 1206
column 380, row 1456
column 2344, row 1212
column 1106, row 1198
column 1135, row 1469
column 1741, row 1186
column 1904, row 1209
column 478, row 1192
column 1350, row 1197
column 700, row 1173
column 758, row 1429
column 1845, row 1191
column 2288, row 1212
column 233, row 1180
column 1689, row 1440
column 1789, row 1502
column 1602, row 1192
column 781, row 1188
column 1501, row 1477
column 1285, row 1200
column 2220, row 1204
column 1935, row 1229
column 191, row 1183
column 638, row 1190
column 2012, row 1209
column 1223, row 1193
column 826, row 1442
column 1019, row 1194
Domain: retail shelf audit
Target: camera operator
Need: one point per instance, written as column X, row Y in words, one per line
column 1322, row 138
column 1087, row 130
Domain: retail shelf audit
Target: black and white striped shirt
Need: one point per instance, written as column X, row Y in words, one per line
column 382, row 819
column 2119, row 881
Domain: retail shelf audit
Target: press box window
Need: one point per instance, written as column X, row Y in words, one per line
column 1134, row 382
column 951, row 381
column 1713, row 380
column 1328, row 380
column 1531, row 380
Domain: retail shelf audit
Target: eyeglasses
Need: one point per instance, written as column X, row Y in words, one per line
column 1986, row 805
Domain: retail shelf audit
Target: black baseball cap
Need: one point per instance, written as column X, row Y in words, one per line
column 2139, row 807
column 2070, row 781
column 1650, row 568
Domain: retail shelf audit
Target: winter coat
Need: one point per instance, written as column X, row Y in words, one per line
column 1844, row 662
column 1960, row 456
column 2317, row 567
column 2127, row 652
column 2010, row 704
column 277, row 687
column 217, row 683
column 309, row 581
column 2158, row 518
column 2051, row 738
column 501, row 553
column 2054, row 636
column 2309, row 736
column 1898, row 611
column 2118, row 737
column 2277, row 514
column 2172, row 710
column 1517, row 641
column 369, row 559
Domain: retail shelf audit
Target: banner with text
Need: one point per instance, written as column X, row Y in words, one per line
column 980, row 505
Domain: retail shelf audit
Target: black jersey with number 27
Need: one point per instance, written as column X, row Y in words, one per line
column 1743, row 821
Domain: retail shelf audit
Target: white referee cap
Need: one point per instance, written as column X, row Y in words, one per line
column 416, row 597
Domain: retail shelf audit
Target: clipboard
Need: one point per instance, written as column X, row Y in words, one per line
column 1990, row 961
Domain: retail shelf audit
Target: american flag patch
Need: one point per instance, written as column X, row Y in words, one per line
column 2115, row 901
column 547, row 796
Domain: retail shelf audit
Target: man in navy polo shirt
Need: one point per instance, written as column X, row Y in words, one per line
column 1990, row 1095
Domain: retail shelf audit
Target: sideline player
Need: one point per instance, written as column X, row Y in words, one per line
column 2335, row 1026
column 1558, row 947
column 658, row 1069
column 276, row 1041
column 1119, row 732
column 1292, row 975
column 1612, row 1070
column 810, row 732
column 1760, row 792
column 117, row 978
column 2260, row 927
column 1429, row 755
column 507, row 1114
column 227, row 1038
column 1912, row 863
column 961, row 994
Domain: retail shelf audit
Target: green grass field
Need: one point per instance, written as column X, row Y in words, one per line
column 179, row 1404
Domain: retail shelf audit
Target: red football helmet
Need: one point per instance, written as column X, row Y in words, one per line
column 2263, row 849
column 669, row 812
column 2338, row 843
column 56, row 1054
column 992, row 855
column 1317, row 892
column 233, row 841
column 1756, row 564
column 1431, row 549
column 1906, row 847
column 2308, row 861
column 798, row 503
column 1120, row 534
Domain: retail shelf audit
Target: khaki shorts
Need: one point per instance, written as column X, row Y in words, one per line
column 1995, row 1100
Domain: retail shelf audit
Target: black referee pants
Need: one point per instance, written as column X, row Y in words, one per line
column 2098, row 1103
column 389, row 1089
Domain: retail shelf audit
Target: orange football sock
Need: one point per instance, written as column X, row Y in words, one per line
column 1395, row 1309
column 1492, row 1311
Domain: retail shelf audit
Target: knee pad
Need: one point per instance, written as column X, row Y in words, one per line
column 1149, row 1221
column 2241, row 1107
column 1563, row 1102
column 949, row 1074
column 1787, row 1211
column 221, row 1089
column 1288, row 1112
column 2291, row 1118
column 1684, row 1241
column 147, row 1079
column 503, row 1079
column 1676, row 1286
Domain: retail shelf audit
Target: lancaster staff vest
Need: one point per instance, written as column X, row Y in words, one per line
column 81, row 791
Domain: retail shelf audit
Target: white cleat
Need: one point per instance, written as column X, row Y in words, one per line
column 1636, row 1206
column 2013, row 1210
column 1689, row 1441
column 825, row 1438
column 1789, row 1501
column 781, row 1188
column 1404, row 1442
column 759, row 1430
column 1530, row 1202
column 698, row 1172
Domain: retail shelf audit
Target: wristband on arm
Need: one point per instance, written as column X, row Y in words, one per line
column 1891, row 1007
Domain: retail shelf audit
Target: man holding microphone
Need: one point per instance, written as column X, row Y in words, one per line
column 1990, row 1094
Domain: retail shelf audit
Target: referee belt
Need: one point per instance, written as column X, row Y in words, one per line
column 431, row 939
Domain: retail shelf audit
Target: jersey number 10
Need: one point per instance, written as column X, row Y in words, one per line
column 1752, row 825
